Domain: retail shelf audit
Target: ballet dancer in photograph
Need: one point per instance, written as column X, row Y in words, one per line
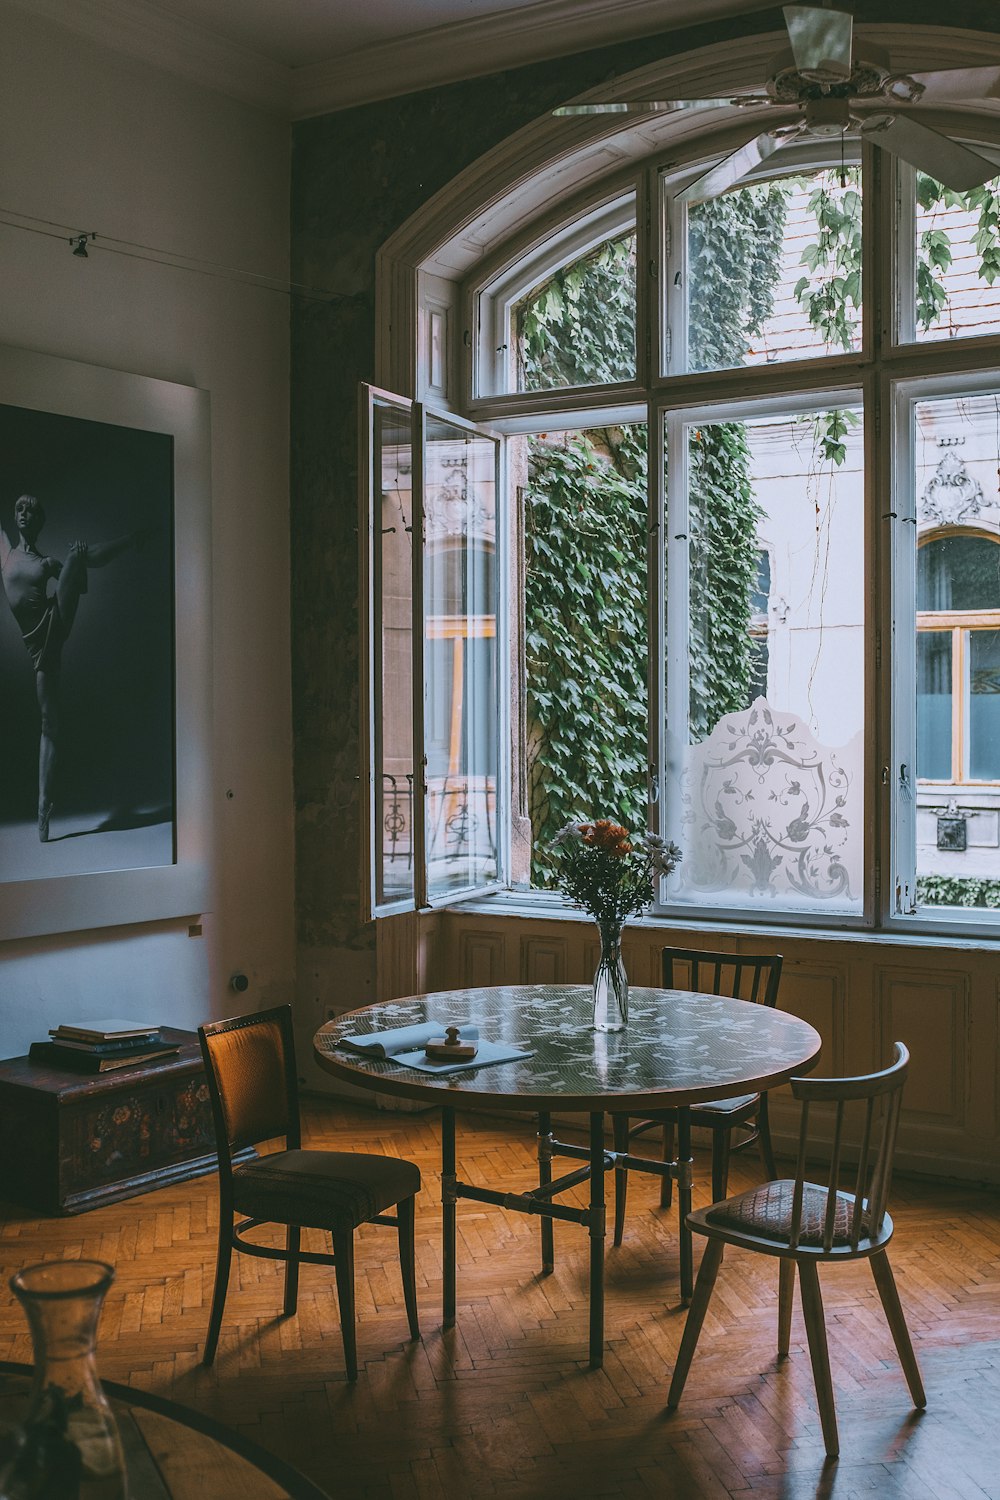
column 44, row 594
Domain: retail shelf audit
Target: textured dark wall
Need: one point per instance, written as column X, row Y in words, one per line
column 356, row 177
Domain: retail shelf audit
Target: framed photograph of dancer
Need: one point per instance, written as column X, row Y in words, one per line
column 105, row 628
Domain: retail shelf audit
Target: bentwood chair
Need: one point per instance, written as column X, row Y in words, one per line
column 754, row 978
column 802, row 1224
column 252, row 1083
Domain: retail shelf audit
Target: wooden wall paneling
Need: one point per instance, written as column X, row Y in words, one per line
column 544, row 960
column 481, row 958
column 942, row 1000
column 930, row 1013
column 818, row 994
column 397, row 939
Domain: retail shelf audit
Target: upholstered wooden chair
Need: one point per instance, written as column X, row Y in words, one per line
column 741, row 976
column 802, row 1223
column 252, row 1082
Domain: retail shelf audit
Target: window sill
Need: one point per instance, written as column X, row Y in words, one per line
column 542, row 906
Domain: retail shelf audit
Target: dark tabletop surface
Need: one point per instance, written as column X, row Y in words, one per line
column 679, row 1047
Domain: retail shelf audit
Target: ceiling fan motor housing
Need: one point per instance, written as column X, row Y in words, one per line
column 868, row 77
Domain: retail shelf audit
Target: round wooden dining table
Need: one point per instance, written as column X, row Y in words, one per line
column 680, row 1047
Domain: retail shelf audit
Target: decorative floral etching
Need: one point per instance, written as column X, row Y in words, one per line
column 766, row 811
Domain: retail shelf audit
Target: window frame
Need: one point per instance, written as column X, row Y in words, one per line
column 905, row 394
column 672, row 518
column 420, row 896
column 886, row 362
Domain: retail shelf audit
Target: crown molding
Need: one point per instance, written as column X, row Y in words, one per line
column 489, row 44
column 144, row 31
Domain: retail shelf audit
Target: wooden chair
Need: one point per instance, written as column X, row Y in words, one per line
column 742, row 977
column 252, row 1082
column 802, row 1224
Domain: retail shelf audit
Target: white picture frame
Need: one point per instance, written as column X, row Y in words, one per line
column 175, row 883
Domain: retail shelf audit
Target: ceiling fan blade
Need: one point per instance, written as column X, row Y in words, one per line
column 638, row 107
column 949, row 83
column 726, row 173
column 943, row 159
column 821, row 41
column 660, row 106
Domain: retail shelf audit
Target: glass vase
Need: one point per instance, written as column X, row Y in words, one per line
column 610, row 980
column 68, row 1447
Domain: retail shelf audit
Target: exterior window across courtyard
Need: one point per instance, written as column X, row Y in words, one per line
column 719, row 555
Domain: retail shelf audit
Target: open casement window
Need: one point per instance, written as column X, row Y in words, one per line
column 430, row 575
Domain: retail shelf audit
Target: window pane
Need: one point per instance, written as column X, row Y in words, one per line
column 958, row 573
column 934, row 713
column 460, row 670
column 578, row 327
column 957, row 538
column 393, row 449
column 765, row 797
column 585, row 632
column 984, row 705
column 774, row 271
column 958, row 261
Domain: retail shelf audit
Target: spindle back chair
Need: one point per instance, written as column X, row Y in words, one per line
column 802, row 1223
column 741, row 976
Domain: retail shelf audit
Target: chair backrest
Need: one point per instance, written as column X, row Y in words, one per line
column 250, row 1066
column 876, row 1147
column 741, row 976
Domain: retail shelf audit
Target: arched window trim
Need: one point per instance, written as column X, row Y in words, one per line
column 526, row 265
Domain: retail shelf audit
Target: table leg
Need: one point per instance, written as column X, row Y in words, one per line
column 448, row 1203
column 597, row 1233
column 685, row 1173
column 544, row 1178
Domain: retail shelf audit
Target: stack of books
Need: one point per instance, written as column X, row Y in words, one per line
column 99, row 1046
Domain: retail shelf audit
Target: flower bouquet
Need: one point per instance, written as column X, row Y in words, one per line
column 609, row 872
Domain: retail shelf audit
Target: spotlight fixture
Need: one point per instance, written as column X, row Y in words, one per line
column 79, row 243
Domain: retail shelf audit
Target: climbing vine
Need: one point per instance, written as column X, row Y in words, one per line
column 585, row 522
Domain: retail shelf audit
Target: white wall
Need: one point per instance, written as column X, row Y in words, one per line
column 98, row 142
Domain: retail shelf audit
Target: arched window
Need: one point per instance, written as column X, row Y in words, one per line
column 717, row 412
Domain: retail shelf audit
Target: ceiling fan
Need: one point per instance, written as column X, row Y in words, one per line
column 820, row 80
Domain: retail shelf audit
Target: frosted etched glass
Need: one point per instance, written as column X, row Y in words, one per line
column 765, row 692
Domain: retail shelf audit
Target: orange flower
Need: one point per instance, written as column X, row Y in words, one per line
column 611, row 837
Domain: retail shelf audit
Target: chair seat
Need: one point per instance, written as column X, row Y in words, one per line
column 766, row 1212
column 322, row 1189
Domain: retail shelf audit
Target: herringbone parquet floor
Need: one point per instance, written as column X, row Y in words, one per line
column 504, row 1404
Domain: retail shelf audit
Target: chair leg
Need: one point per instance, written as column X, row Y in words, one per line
column 708, row 1271
column 407, row 1264
column 293, row 1242
column 685, row 1167
column 786, row 1290
column 721, row 1142
column 667, row 1154
column 764, row 1139
column 223, row 1260
column 619, row 1126
column 343, row 1251
column 886, row 1283
column 819, row 1353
